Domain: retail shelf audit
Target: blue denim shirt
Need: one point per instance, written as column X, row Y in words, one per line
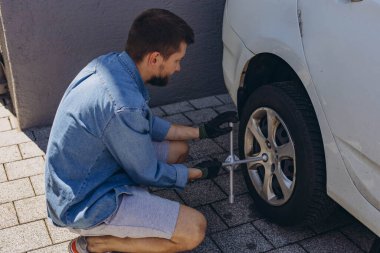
column 101, row 143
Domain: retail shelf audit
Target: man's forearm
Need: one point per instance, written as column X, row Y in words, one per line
column 194, row 174
column 182, row 133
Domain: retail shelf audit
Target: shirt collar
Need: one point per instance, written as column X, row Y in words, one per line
column 131, row 68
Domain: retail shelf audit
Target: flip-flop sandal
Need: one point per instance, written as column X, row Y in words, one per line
column 78, row 245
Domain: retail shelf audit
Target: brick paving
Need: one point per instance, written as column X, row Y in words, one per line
column 231, row 228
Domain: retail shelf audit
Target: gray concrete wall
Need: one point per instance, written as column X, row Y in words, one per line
column 46, row 42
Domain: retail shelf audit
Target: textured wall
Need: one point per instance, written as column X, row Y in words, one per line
column 47, row 42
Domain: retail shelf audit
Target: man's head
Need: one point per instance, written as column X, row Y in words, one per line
column 157, row 42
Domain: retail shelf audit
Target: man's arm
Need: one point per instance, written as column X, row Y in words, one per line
column 127, row 138
column 205, row 170
column 194, row 173
column 210, row 129
column 182, row 133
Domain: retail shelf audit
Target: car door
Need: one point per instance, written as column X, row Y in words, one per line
column 341, row 40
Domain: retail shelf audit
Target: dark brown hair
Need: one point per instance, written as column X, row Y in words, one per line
column 157, row 30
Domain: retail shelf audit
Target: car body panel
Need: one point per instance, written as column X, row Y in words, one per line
column 348, row 79
column 274, row 28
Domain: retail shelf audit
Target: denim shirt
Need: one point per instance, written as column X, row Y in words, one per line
column 101, row 144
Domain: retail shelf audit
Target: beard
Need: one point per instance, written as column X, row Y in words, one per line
column 158, row 81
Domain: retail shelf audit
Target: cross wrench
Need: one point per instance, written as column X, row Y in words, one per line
column 232, row 162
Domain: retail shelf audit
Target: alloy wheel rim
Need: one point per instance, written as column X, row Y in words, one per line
column 274, row 179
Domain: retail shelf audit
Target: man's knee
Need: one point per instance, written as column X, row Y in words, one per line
column 199, row 232
column 178, row 152
column 191, row 228
column 184, row 151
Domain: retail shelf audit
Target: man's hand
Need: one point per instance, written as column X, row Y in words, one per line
column 210, row 168
column 212, row 129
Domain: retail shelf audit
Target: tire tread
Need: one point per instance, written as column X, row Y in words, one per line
column 320, row 206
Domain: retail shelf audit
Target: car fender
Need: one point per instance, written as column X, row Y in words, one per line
column 284, row 42
column 277, row 27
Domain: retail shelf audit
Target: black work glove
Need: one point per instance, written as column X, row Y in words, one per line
column 212, row 129
column 210, row 168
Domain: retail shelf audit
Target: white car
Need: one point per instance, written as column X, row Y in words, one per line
column 305, row 76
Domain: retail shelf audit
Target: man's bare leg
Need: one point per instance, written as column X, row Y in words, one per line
column 178, row 152
column 188, row 234
column 189, row 231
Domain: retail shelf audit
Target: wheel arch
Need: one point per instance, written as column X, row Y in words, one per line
column 262, row 69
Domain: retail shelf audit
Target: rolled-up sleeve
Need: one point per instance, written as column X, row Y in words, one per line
column 127, row 137
column 160, row 128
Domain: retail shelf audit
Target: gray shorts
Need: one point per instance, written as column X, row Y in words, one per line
column 142, row 214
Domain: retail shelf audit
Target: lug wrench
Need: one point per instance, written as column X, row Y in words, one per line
column 232, row 162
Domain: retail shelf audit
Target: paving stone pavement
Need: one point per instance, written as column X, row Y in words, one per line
column 24, row 226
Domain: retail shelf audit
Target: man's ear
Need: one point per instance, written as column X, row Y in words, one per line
column 154, row 58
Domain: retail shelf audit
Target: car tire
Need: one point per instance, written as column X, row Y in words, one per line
column 296, row 177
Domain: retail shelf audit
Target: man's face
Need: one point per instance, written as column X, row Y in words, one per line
column 168, row 67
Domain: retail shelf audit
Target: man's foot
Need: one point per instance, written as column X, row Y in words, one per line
column 78, row 245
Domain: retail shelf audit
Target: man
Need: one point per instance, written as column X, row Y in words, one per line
column 106, row 146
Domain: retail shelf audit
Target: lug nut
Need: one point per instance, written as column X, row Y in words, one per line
column 265, row 157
